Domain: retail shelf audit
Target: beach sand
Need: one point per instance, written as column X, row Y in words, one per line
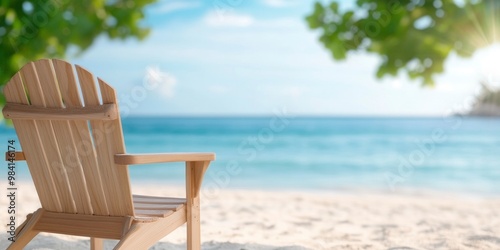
column 246, row 219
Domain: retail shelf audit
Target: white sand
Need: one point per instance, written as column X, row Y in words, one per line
column 242, row 219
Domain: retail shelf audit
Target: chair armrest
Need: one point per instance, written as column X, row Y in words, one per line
column 196, row 165
column 130, row 159
column 16, row 156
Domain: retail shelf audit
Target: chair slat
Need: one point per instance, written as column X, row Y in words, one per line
column 114, row 138
column 66, row 145
column 115, row 182
column 49, row 144
column 67, row 83
column 151, row 206
column 88, row 86
column 143, row 206
column 153, row 213
column 157, row 200
column 82, row 137
column 81, row 225
column 30, row 142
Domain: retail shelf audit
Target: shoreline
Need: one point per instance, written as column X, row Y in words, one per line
column 261, row 219
column 343, row 190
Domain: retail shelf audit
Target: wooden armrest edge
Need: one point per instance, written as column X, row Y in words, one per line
column 131, row 159
column 18, row 156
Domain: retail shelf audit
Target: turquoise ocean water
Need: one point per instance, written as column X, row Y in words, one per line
column 444, row 154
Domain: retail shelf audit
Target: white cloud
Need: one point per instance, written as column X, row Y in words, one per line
column 163, row 81
column 165, row 7
column 228, row 19
column 279, row 3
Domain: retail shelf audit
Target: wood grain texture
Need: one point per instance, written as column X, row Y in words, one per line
column 96, row 243
column 27, row 232
column 157, row 206
column 195, row 170
column 108, row 140
column 30, row 112
column 142, row 236
column 194, row 177
column 21, row 227
column 130, row 159
column 67, row 83
column 108, row 227
column 29, row 138
column 116, row 145
column 18, row 156
column 69, row 163
column 157, row 200
column 55, row 135
column 85, row 151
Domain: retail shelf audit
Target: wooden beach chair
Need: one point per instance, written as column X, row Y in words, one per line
column 76, row 156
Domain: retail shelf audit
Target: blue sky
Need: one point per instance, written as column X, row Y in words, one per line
column 242, row 57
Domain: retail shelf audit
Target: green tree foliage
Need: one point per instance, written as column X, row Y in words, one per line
column 34, row 29
column 412, row 36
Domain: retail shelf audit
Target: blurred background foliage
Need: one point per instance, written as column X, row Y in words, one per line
column 34, row 29
column 410, row 36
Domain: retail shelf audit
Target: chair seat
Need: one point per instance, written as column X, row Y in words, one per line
column 154, row 206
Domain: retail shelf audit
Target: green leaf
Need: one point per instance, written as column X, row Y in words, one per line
column 338, row 50
column 69, row 24
column 390, row 29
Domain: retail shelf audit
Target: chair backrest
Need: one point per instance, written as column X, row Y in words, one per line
column 70, row 145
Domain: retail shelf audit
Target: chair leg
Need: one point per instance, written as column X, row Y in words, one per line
column 26, row 234
column 20, row 227
column 96, row 244
column 193, row 205
column 193, row 226
column 142, row 235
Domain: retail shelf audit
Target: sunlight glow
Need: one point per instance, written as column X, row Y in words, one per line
column 489, row 64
